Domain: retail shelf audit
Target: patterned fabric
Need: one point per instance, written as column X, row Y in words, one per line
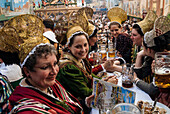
column 123, row 46
column 97, row 69
column 74, row 77
column 31, row 100
column 5, row 92
column 26, row 104
column 135, row 50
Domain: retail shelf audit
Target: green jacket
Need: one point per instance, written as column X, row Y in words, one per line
column 75, row 77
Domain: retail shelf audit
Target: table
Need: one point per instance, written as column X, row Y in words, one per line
column 140, row 95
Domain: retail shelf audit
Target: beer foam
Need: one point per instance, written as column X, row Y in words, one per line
column 162, row 71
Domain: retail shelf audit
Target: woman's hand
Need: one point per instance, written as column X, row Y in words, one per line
column 88, row 100
column 111, row 79
column 108, row 65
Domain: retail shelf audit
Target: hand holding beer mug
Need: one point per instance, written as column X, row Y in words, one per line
column 127, row 76
column 162, row 69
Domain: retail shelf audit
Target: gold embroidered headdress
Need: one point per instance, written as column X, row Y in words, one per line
column 89, row 13
column 161, row 26
column 78, row 23
column 21, row 34
column 116, row 14
column 148, row 22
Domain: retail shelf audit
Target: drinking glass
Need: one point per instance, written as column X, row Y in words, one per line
column 162, row 69
column 102, row 51
column 125, row 108
column 111, row 51
column 127, row 76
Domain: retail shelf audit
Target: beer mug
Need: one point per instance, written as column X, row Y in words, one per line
column 112, row 50
column 162, row 69
column 102, row 51
column 127, row 76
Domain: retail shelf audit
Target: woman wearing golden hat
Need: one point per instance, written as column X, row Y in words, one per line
column 123, row 42
column 157, row 40
column 75, row 72
column 138, row 31
column 92, row 33
column 38, row 92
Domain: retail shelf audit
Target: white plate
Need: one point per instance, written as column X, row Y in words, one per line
column 158, row 104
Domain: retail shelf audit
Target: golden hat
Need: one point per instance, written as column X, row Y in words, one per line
column 91, row 29
column 21, row 34
column 61, row 27
column 148, row 22
column 161, row 26
column 117, row 14
column 88, row 12
column 78, row 23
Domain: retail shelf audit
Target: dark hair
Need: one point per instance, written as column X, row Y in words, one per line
column 153, row 47
column 127, row 27
column 138, row 29
column 48, row 23
column 114, row 23
column 41, row 51
column 93, row 34
column 162, row 42
column 9, row 58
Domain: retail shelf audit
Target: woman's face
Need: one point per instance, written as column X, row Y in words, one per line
column 136, row 38
column 115, row 30
column 45, row 72
column 92, row 40
column 80, row 47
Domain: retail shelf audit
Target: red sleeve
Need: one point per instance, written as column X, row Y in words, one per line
column 97, row 69
column 91, row 61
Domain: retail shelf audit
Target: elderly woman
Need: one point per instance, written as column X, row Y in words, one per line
column 39, row 91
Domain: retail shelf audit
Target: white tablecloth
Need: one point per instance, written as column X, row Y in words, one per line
column 140, row 95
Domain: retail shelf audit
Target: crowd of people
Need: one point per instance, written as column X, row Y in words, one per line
column 37, row 77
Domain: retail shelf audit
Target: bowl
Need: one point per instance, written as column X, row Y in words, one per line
column 125, row 108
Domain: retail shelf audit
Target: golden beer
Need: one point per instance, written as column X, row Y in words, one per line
column 103, row 54
column 162, row 69
column 111, row 54
column 162, row 79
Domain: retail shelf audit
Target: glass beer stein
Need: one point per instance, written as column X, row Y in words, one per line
column 112, row 50
column 162, row 69
column 102, row 51
column 127, row 76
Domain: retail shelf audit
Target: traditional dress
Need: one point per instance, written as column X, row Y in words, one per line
column 28, row 99
column 5, row 92
column 145, row 72
column 76, row 77
column 134, row 51
column 124, row 46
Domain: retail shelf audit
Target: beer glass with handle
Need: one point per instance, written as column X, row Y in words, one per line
column 162, row 69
